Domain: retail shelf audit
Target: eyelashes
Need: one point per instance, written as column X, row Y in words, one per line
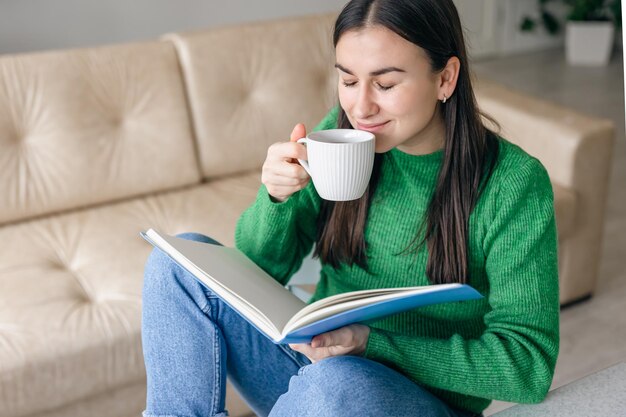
column 379, row 86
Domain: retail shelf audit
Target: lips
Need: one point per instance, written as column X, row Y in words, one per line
column 371, row 127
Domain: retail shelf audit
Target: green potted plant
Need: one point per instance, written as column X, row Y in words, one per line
column 589, row 30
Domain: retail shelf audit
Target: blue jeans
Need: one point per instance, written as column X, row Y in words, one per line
column 192, row 340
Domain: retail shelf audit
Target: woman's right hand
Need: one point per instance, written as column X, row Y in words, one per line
column 282, row 175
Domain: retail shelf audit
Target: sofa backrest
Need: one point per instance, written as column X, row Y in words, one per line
column 82, row 127
column 249, row 85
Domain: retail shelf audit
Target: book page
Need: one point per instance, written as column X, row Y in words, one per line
column 346, row 301
column 363, row 310
column 231, row 270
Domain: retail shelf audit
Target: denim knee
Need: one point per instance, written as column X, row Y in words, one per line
column 330, row 387
column 335, row 374
column 352, row 385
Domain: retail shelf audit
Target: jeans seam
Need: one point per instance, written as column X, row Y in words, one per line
column 216, row 375
column 180, row 271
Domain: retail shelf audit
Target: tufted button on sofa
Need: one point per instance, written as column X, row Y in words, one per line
column 98, row 144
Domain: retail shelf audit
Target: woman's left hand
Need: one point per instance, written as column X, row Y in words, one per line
column 348, row 340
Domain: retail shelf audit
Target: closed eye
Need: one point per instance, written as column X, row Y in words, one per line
column 385, row 87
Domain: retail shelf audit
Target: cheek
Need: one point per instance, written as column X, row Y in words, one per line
column 347, row 100
column 347, row 97
column 414, row 107
column 405, row 109
column 408, row 101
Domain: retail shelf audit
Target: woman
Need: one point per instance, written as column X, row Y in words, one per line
column 449, row 201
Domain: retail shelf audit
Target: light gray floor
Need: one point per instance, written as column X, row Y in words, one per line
column 593, row 333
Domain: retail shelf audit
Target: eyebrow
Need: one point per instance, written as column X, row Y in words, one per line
column 373, row 73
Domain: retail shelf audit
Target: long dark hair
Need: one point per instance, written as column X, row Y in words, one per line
column 470, row 150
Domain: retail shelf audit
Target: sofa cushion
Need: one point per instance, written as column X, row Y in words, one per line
column 70, row 305
column 249, row 85
column 87, row 126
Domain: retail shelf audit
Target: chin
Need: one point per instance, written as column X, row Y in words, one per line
column 383, row 143
column 383, row 148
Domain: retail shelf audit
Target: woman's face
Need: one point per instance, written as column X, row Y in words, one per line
column 386, row 86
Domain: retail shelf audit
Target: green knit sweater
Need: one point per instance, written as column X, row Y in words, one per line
column 468, row 353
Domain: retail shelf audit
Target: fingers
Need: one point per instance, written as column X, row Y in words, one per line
column 348, row 340
column 280, row 187
column 318, row 341
column 306, row 350
column 277, row 182
column 281, row 174
column 319, row 353
column 284, row 174
column 286, row 151
column 339, row 337
column 297, row 346
column 289, row 170
column 298, row 132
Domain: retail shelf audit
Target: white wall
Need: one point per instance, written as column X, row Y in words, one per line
column 512, row 40
column 30, row 25
column 492, row 27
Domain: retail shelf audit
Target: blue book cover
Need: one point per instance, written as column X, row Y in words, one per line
column 276, row 312
column 380, row 309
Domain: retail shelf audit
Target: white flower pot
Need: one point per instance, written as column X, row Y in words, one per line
column 589, row 43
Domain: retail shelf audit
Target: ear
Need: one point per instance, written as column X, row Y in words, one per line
column 448, row 77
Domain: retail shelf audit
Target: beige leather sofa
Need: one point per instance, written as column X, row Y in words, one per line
column 97, row 144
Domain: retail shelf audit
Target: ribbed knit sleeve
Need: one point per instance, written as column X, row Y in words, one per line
column 514, row 358
column 278, row 235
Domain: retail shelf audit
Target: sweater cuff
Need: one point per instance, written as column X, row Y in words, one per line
column 376, row 343
column 276, row 213
column 267, row 203
column 264, row 214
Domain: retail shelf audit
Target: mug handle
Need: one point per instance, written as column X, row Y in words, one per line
column 302, row 162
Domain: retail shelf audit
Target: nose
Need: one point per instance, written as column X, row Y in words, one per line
column 365, row 106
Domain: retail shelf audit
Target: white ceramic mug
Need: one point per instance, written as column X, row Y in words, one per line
column 340, row 162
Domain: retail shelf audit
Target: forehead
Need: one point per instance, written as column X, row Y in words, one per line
column 377, row 46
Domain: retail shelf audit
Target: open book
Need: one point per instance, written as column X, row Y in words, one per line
column 275, row 311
